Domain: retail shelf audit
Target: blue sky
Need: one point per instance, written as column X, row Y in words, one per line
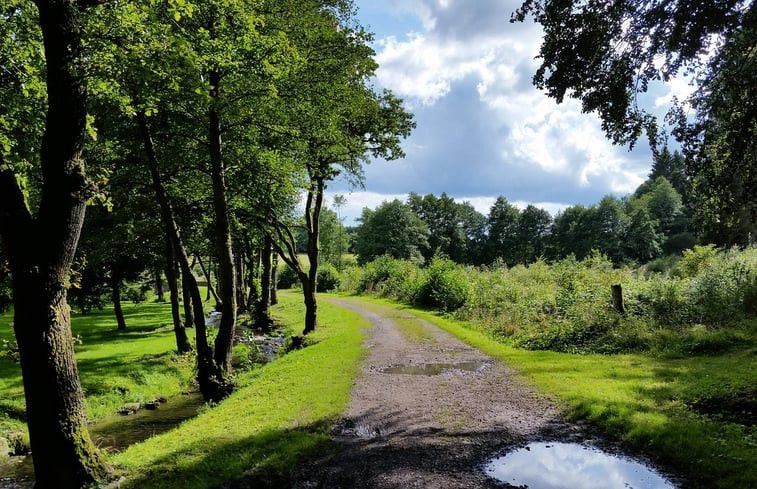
column 482, row 129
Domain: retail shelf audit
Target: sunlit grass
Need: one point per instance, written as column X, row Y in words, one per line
column 115, row 367
column 642, row 402
column 279, row 414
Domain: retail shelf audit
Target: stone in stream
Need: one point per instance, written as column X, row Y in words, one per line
column 152, row 405
column 129, row 408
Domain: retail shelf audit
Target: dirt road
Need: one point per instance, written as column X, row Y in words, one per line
column 415, row 422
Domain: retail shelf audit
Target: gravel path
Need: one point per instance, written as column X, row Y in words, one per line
column 428, row 431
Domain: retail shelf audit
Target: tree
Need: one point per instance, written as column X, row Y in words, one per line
column 532, row 233
column 336, row 115
column 454, row 229
column 573, row 232
column 502, row 229
column 339, row 202
column 40, row 243
column 392, row 229
column 607, row 53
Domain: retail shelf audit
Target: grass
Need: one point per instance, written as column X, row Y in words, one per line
column 115, row 367
column 643, row 402
column 280, row 413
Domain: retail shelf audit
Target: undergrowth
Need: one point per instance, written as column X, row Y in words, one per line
column 705, row 302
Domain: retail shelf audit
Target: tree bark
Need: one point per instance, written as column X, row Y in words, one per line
column 275, row 279
column 40, row 251
column 617, row 298
column 160, row 295
column 211, row 289
column 115, row 285
column 182, row 342
column 214, row 385
column 224, row 253
column 187, row 301
column 264, row 304
column 241, row 298
column 313, row 208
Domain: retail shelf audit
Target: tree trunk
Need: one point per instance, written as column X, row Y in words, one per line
column 275, row 279
column 224, row 254
column 187, row 298
column 214, row 385
column 115, row 285
column 160, row 295
column 313, row 208
column 617, row 298
column 182, row 342
column 40, row 251
column 241, row 298
column 252, row 273
column 311, row 307
column 211, row 290
column 264, row 304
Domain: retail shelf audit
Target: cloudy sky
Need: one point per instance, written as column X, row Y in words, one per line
column 482, row 129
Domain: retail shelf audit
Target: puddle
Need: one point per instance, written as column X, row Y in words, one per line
column 564, row 465
column 434, row 368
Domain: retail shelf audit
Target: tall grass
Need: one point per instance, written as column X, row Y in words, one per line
column 706, row 303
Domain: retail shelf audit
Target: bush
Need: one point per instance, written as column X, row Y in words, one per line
column 445, row 287
column 328, row 278
column 287, row 278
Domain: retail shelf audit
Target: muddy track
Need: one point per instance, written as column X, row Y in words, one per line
column 428, row 431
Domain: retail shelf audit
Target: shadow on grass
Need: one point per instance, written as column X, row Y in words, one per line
column 265, row 460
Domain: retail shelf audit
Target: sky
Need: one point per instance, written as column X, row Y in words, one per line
column 483, row 130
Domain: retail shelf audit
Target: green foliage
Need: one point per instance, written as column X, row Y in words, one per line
column 568, row 306
column 328, row 277
column 445, row 286
column 392, row 229
column 287, row 277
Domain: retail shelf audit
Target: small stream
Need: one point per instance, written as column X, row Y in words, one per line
column 113, row 433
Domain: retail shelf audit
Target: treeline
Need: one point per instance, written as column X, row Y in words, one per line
column 654, row 221
column 187, row 133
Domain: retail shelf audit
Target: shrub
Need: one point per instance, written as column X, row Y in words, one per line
column 446, row 286
column 328, row 278
column 287, row 278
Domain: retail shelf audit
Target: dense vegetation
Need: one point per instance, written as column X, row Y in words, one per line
column 705, row 302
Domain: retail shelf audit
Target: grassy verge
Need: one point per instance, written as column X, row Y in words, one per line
column 115, row 367
column 279, row 413
column 643, row 402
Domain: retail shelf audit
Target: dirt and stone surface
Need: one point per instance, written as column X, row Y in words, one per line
column 406, row 430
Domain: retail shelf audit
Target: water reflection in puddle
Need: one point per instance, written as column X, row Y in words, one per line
column 434, row 368
column 569, row 465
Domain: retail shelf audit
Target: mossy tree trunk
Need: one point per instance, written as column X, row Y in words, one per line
column 115, row 287
column 40, row 251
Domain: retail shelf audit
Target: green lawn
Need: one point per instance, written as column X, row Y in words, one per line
column 279, row 415
column 644, row 402
column 115, row 367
